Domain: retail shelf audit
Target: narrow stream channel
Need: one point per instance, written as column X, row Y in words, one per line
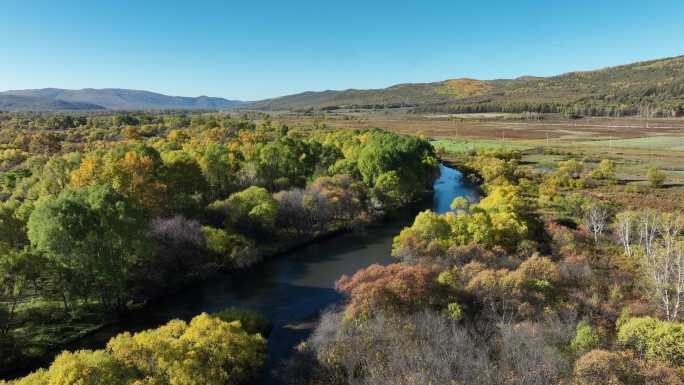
column 292, row 289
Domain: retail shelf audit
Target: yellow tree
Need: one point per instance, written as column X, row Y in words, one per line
column 132, row 174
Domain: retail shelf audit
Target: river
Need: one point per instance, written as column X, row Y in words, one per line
column 292, row 289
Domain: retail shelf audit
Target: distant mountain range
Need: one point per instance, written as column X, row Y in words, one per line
column 52, row 99
column 624, row 89
column 621, row 90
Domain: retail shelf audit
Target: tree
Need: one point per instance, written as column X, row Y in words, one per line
column 93, row 235
column 663, row 262
column 17, row 271
column 207, row 351
column 412, row 158
column 219, row 166
column 136, row 176
column 605, row 170
column 131, row 133
column 429, row 231
column 655, row 177
column 596, row 220
column 389, row 192
column 625, row 228
column 186, row 186
column 45, row 143
column 234, row 250
column 655, row 237
column 134, row 171
column 12, row 229
column 253, row 210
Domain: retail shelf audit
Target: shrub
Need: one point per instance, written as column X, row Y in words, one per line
column 234, row 250
column 394, row 287
column 601, row 367
column 251, row 321
column 177, row 231
column 586, row 339
column 454, row 311
column 656, row 178
column 654, row 339
column 421, row 348
column 605, row 170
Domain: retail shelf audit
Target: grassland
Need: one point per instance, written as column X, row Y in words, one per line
column 673, row 143
column 465, row 145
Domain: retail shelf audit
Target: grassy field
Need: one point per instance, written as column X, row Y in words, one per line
column 465, row 145
column 673, row 143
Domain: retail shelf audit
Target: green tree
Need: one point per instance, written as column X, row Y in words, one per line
column 389, row 192
column 93, row 235
column 234, row 250
column 413, row 159
column 253, row 210
column 656, row 178
column 186, row 186
column 605, row 170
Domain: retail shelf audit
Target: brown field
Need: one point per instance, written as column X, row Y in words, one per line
column 441, row 126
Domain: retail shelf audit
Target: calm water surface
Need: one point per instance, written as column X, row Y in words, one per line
column 292, row 289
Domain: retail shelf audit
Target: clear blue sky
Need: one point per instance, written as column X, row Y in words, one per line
column 252, row 49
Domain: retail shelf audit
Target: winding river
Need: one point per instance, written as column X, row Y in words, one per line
column 292, row 289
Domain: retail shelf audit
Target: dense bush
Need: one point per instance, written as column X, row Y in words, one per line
column 206, row 351
column 421, row 348
column 654, row 339
column 601, row 367
column 586, row 339
column 389, row 288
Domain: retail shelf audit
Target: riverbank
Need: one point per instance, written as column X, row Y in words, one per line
column 68, row 332
column 293, row 282
column 90, row 323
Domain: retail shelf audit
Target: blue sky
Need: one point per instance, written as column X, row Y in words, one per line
column 256, row 49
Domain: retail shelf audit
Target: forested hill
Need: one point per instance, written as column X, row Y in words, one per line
column 49, row 99
column 32, row 103
column 654, row 87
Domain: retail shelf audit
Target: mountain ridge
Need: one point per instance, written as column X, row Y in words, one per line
column 52, row 99
column 622, row 89
column 655, row 86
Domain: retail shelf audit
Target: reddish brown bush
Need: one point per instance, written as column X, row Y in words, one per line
column 394, row 287
column 601, row 367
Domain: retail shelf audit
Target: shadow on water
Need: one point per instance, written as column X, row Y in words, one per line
column 292, row 289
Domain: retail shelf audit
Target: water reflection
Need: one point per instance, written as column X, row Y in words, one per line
column 449, row 185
